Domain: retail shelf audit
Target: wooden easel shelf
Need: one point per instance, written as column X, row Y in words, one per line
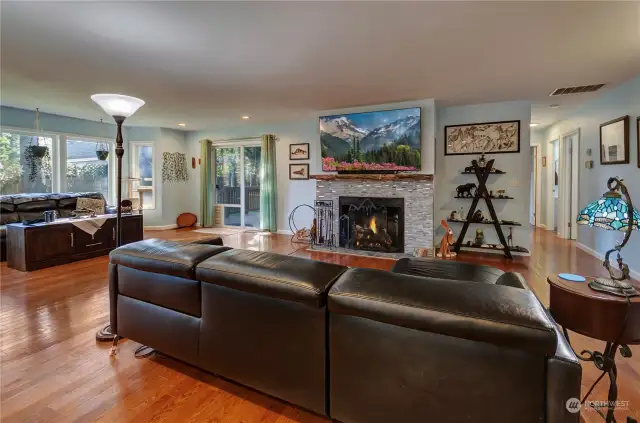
column 493, row 198
column 484, row 223
column 482, row 174
column 516, row 249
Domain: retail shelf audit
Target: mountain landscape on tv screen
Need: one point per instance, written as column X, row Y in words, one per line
column 386, row 140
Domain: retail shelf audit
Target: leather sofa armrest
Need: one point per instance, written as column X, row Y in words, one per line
column 564, row 376
column 499, row 315
column 513, row 279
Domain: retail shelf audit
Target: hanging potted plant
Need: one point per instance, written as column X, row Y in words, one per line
column 35, row 153
column 102, row 149
column 34, row 149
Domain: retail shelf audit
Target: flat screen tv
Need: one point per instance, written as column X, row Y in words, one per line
column 388, row 140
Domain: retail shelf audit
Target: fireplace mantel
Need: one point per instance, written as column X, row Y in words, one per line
column 374, row 177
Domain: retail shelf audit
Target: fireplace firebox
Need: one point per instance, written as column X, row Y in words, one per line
column 369, row 223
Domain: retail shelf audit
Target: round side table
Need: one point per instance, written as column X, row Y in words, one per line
column 598, row 315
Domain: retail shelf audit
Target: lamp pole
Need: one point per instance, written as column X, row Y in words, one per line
column 119, row 153
column 119, row 107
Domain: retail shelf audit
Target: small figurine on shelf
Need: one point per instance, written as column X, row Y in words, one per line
column 447, row 241
column 491, row 194
column 464, row 190
column 453, row 215
column 478, row 217
column 501, row 193
column 468, row 169
column 482, row 162
column 510, row 238
column 479, row 237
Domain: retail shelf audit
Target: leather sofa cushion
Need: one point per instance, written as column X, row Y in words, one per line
column 167, row 291
column 9, row 217
column 3, row 232
column 499, row 315
column 160, row 256
column 444, row 269
column 274, row 275
column 34, row 209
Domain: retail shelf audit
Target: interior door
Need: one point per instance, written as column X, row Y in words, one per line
column 237, row 184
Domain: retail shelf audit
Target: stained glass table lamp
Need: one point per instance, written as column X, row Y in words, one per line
column 614, row 213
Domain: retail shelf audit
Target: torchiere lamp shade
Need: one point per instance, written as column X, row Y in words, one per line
column 118, row 104
column 610, row 212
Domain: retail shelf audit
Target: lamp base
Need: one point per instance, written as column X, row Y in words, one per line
column 613, row 287
column 105, row 334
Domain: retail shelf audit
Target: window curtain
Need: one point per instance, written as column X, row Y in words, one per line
column 268, row 185
column 207, row 159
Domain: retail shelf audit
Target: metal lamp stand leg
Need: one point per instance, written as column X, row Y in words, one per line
column 606, row 362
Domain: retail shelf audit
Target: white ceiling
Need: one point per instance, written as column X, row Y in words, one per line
column 208, row 63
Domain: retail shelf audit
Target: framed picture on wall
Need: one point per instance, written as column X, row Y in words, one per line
column 299, row 171
column 614, row 141
column 299, row 151
column 486, row 137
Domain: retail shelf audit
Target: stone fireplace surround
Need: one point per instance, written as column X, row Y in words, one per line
column 416, row 189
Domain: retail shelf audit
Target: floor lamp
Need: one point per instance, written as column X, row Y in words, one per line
column 119, row 107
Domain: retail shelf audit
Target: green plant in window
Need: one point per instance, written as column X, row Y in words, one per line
column 10, row 169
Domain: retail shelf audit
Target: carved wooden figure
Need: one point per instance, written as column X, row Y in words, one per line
column 447, row 241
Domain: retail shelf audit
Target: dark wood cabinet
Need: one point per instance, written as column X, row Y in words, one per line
column 103, row 239
column 31, row 247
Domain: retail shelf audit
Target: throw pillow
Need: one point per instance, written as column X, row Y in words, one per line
column 93, row 204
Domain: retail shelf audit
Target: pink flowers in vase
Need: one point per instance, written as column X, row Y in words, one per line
column 329, row 164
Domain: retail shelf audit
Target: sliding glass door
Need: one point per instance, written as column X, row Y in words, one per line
column 237, row 185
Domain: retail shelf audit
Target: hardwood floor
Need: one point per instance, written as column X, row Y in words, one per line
column 53, row 370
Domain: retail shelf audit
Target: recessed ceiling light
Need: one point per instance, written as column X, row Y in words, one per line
column 182, row 124
column 554, row 106
column 246, row 117
column 531, row 125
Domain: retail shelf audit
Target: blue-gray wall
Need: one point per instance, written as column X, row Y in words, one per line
column 294, row 193
column 516, row 165
column 170, row 198
column 620, row 101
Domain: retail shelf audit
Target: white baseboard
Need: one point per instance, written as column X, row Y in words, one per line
column 543, row 226
column 284, row 232
column 635, row 275
column 160, row 228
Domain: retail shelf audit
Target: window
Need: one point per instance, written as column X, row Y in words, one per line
column 85, row 172
column 142, row 171
column 25, row 163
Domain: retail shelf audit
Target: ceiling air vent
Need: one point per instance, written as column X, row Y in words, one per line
column 576, row 90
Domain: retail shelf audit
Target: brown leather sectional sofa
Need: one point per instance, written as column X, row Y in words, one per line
column 430, row 341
